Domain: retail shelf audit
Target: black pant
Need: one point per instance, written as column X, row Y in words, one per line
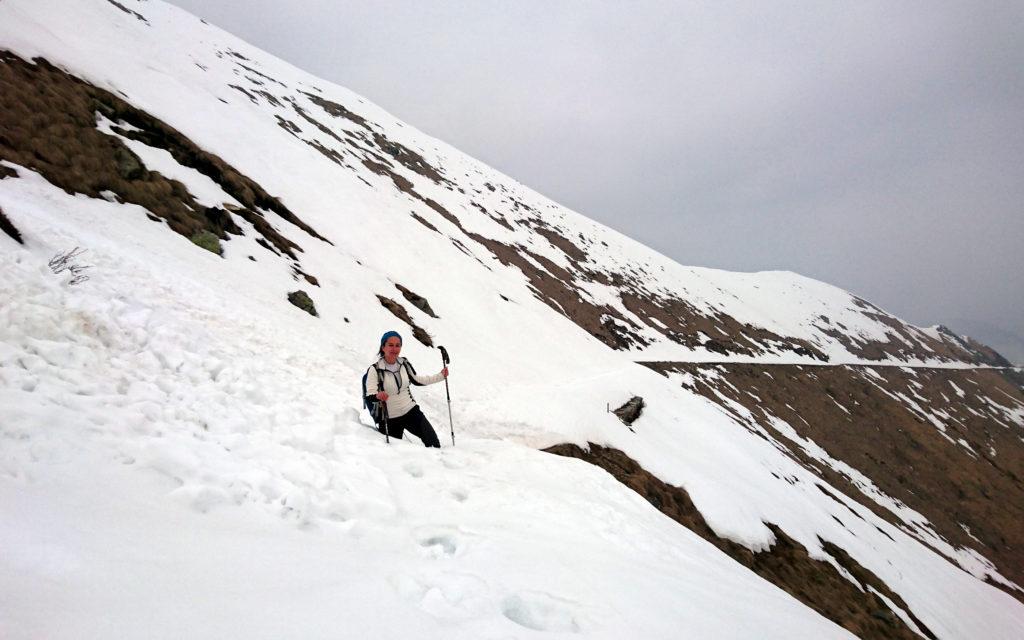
column 415, row 423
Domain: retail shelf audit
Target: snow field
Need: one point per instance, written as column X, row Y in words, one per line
column 166, row 443
column 485, row 540
column 177, row 388
column 447, row 567
column 207, row 398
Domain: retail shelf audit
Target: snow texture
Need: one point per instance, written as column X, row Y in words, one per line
column 182, row 452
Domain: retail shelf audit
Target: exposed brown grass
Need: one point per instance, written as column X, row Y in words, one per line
column 138, row 16
column 48, row 120
column 418, row 218
column 377, row 142
column 555, row 286
column 899, row 449
column 399, row 312
column 909, row 346
column 416, row 300
column 493, row 216
column 676, row 318
column 786, row 565
column 337, row 110
column 560, row 289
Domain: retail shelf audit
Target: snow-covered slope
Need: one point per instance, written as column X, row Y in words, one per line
column 181, row 451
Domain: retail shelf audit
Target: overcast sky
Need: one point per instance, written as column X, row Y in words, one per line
column 878, row 146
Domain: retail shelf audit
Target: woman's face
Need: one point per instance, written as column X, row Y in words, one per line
column 392, row 348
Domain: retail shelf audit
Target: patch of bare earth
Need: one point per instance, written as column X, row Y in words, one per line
column 563, row 288
column 400, row 312
column 907, row 343
column 371, row 145
column 786, row 564
column 8, row 227
column 353, row 141
column 556, row 287
column 666, row 312
column 680, row 321
column 948, row 443
column 48, row 121
column 416, row 300
column 138, row 16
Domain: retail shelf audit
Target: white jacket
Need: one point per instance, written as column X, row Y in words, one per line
column 396, row 385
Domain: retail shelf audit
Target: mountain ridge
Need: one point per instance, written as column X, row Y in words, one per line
column 491, row 259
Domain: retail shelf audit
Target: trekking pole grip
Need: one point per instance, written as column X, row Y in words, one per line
column 444, row 361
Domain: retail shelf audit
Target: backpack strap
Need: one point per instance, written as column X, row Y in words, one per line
column 380, row 379
column 409, row 369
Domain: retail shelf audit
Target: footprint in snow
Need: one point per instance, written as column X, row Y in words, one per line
column 540, row 612
column 441, row 544
column 460, row 495
column 346, row 420
column 452, row 462
column 413, row 469
column 447, row 596
column 201, row 498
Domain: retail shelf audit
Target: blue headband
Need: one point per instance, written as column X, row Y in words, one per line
column 389, row 334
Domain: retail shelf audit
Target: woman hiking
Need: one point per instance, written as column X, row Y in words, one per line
column 388, row 380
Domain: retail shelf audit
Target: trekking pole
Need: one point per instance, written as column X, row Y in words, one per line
column 444, row 361
column 384, row 414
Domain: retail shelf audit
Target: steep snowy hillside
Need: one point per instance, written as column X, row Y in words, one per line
column 182, row 452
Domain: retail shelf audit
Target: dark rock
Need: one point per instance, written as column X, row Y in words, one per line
column 302, row 300
column 7, row 227
column 208, row 241
column 716, row 346
column 630, row 411
column 804, row 351
column 138, row 16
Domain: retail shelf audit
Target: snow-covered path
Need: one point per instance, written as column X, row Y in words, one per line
column 462, row 544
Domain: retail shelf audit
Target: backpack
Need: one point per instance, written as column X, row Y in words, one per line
column 372, row 404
